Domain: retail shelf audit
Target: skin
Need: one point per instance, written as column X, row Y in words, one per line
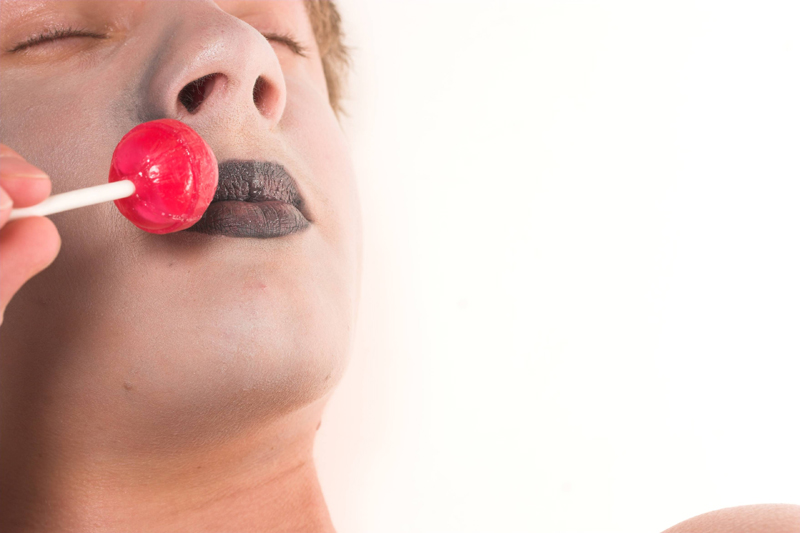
column 29, row 245
column 149, row 382
column 768, row 518
column 176, row 382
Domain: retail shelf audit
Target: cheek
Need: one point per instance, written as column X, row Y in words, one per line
column 321, row 150
column 321, row 154
column 70, row 132
column 63, row 125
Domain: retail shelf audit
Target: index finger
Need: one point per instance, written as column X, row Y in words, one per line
column 26, row 184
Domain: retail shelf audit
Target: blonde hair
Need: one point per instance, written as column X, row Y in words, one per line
column 326, row 23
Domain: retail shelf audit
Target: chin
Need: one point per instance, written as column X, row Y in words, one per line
column 230, row 367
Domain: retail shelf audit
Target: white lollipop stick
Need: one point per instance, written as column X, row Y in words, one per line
column 78, row 198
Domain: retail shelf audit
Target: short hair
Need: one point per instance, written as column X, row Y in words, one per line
column 327, row 25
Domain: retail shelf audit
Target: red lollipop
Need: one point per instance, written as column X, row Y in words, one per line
column 174, row 171
column 163, row 177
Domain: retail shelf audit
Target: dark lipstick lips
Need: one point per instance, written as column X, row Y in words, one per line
column 257, row 199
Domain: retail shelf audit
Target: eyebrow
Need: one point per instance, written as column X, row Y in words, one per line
column 293, row 45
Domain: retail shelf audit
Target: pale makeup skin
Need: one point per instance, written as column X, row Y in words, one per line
column 156, row 382
column 176, row 382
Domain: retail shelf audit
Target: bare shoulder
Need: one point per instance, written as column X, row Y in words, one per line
column 767, row 518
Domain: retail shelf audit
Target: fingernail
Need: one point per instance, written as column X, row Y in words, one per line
column 5, row 201
column 11, row 167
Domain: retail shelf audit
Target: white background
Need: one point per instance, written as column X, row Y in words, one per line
column 581, row 301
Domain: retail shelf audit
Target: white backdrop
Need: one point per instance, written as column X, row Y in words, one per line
column 581, row 301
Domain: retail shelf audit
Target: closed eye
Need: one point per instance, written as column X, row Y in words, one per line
column 54, row 35
column 65, row 33
column 293, row 45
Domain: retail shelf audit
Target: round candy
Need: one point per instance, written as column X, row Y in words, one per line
column 175, row 173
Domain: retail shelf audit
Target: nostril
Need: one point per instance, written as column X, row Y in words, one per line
column 260, row 93
column 197, row 91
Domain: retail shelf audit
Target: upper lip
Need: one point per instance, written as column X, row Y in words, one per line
column 256, row 181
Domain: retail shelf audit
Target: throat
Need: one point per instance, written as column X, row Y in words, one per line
column 263, row 481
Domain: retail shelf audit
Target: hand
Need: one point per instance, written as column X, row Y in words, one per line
column 27, row 245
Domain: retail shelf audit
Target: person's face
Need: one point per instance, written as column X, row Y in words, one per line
column 186, row 334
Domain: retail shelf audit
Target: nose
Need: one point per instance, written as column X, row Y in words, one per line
column 211, row 70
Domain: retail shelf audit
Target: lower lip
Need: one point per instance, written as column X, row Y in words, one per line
column 259, row 220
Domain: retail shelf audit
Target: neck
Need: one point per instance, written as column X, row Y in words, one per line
column 264, row 480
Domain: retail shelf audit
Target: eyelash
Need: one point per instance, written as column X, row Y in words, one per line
column 54, row 35
column 293, row 45
column 62, row 33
